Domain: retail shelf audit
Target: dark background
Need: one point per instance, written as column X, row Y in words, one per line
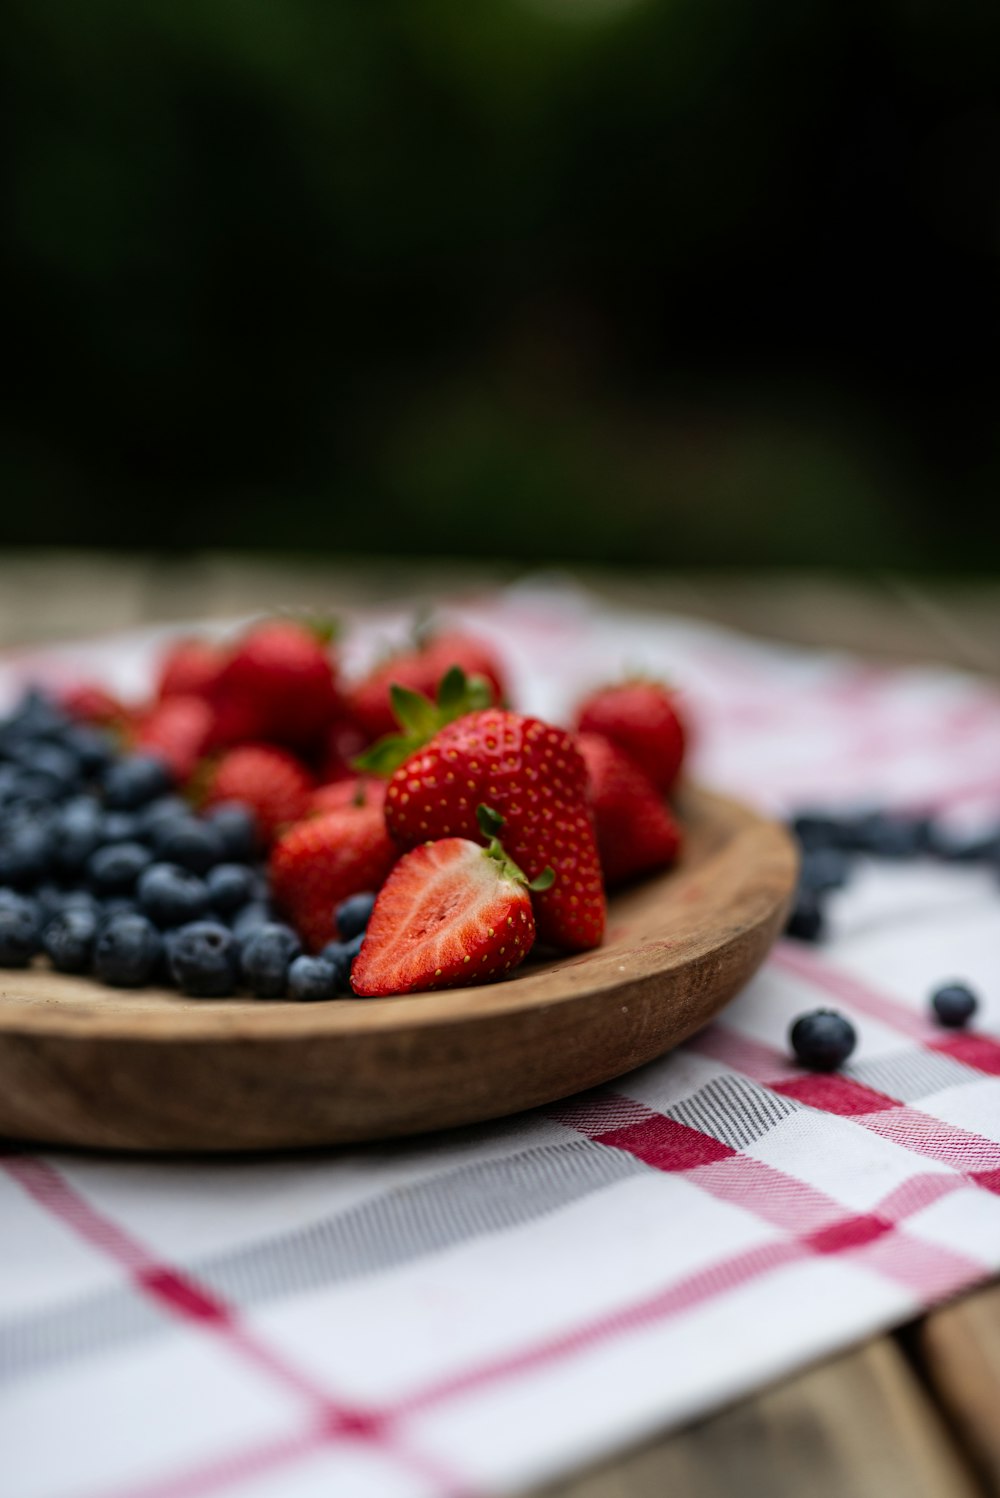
column 672, row 283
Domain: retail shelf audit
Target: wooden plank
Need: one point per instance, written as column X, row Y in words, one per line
column 959, row 1348
column 861, row 1426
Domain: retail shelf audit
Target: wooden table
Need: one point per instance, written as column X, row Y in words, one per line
column 914, row 1414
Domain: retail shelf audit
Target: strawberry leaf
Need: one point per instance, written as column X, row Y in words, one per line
column 543, row 881
column 414, row 712
column 386, row 755
column 490, row 821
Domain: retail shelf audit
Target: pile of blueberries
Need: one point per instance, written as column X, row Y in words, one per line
column 109, row 872
column 830, row 844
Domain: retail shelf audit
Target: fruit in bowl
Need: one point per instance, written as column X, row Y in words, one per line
column 223, row 836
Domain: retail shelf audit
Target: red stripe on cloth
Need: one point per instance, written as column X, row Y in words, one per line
column 834, row 1094
column 664, row 1144
column 850, row 1232
column 980, row 1052
column 192, row 1304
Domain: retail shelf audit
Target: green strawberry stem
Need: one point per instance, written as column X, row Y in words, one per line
column 490, row 825
column 420, row 719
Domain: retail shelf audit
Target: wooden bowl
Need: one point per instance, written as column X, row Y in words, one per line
column 148, row 1070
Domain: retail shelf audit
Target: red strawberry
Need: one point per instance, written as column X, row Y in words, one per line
column 278, row 685
column 636, row 831
column 317, row 864
column 177, row 730
column 422, row 670
column 190, row 668
column 640, row 717
column 89, row 702
column 360, row 790
column 450, row 913
column 343, row 742
column 272, row 782
column 532, row 775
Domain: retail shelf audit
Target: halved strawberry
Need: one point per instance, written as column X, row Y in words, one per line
column 636, row 831
column 642, row 718
column 278, row 684
column 319, row 863
column 273, row 783
column 450, row 913
column 422, row 670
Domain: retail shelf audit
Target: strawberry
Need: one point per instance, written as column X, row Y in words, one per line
column 317, row 864
column 272, row 782
column 177, row 730
column 640, row 717
column 89, row 702
column 450, row 913
column 636, row 831
column 422, row 670
column 532, row 775
column 278, row 684
column 342, row 742
column 190, row 668
column 360, row 790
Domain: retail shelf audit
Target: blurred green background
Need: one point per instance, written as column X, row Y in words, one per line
column 678, row 283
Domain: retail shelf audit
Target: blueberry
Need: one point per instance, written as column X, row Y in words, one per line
column 824, row 869
column 20, row 930
column 194, row 845
column 353, row 915
column 954, row 1005
column 68, row 939
column 817, row 830
column 979, row 847
column 159, row 812
column 126, row 951
column 312, row 979
column 265, row 956
column 203, row 960
column 231, row 886
column 806, row 920
column 77, row 833
column 25, row 850
column 822, row 1040
column 120, row 827
column 172, row 896
column 251, row 917
column 93, row 747
column 113, row 870
column 135, row 781
column 342, row 954
column 237, row 828
column 37, row 716
column 117, row 905
column 55, row 766
column 886, row 836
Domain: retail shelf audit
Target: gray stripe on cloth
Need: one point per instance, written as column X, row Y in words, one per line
column 910, row 1075
column 401, row 1225
column 733, row 1110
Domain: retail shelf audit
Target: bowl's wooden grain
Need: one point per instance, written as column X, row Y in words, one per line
column 85, row 1065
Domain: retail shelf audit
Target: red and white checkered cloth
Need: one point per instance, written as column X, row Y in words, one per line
column 476, row 1312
